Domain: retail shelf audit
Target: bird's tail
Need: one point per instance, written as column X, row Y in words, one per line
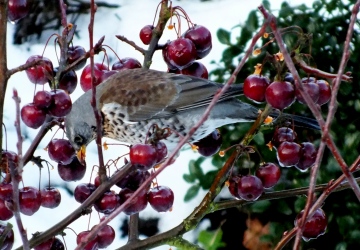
column 297, row 120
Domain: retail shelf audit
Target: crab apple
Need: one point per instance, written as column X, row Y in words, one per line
column 210, row 144
column 73, row 171
column 283, row 134
column 105, row 236
column 179, row 53
column 233, row 186
column 288, row 153
column 6, row 191
column 29, row 200
column 289, row 78
column 146, row 34
column 126, row 63
column 85, row 78
column 269, row 173
column 324, row 92
column 91, row 245
column 57, row 244
column 255, row 86
column 61, row 103
column 307, row 156
column 161, row 151
column 42, row 99
column 46, row 245
column 137, row 204
column 8, row 239
column 32, row 116
column 250, row 187
column 83, row 191
column 5, row 212
column 40, row 73
column 17, row 9
column 161, row 198
column 107, row 203
column 201, row 37
column 143, row 156
column 196, row 69
column 75, row 53
column 280, row 95
column 311, row 88
column 314, row 226
column 68, row 81
column 50, row 197
column 61, row 151
column 133, row 180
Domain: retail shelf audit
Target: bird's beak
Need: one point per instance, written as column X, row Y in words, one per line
column 81, row 153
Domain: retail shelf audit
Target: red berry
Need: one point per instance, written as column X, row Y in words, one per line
column 126, row 63
column 143, row 156
column 107, row 74
column 107, row 203
column 280, row 95
column 42, row 99
column 250, row 188
column 255, row 87
column 30, row 200
column 42, row 72
column 5, row 212
column 310, row 88
column 201, row 37
column 17, row 9
column 8, row 239
column 57, row 245
column 74, row 53
column 85, row 78
column 146, row 34
column 283, row 134
column 32, row 116
column 307, row 156
column 68, row 81
column 46, row 245
column 73, row 171
column 196, row 69
column 233, row 186
column 133, row 180
column 91, row 245
column 83, row 191
column 269, row 173
column 324, row 92
column 60, row 103
column 180, row 53
column 137, row 204
column 105, row 236
column 210, row 144
column 61, row 151
column 314, row 226
column 50, row 197
column 161, row 198
column 161, row 151
column 6, row 191
column 288, row 153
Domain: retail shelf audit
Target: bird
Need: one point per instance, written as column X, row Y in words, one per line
column 132, row 101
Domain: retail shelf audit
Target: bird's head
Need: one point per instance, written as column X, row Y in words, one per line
column 80, row 126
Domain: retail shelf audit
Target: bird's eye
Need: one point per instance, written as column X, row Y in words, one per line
column 78, row 139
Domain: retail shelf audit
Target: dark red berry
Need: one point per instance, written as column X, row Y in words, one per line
column 133, row 180
column 83, row 191
column 307, row 156
column 74, row 53
column 5, row 212
column 91, row 245
column 314, row 226
column 269, row 173
column 29, row 200
column 42, row 99
column 85, row 78
column 201, row 37
column 61, row 151
column 50, row 197
column 146, row 34
column 6, row 191
column 42, row 72
column 161, row 151
column 161, row 198
column 250, row 188
column 8, row 239
column 32, row 116
column 105, row 236
column 324, row 92
column 210, row 144
column 180, row 53
column 143, row 156
column 136, row 205
column 60, row 103
column 280, row 95
column 17, row 9
column 73, row 171
column 311, row 88
column 68, row 81
column 283, row 134
column 288, row 153
column 126, row 63
column 196, row 69
column 255, row 86
column 46, row 245
column 233, row 185
column 107, row 203
column 57, row 245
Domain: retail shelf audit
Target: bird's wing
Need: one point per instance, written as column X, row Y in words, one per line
column 146, row 94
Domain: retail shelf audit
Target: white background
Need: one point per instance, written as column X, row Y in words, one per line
column 133, row 15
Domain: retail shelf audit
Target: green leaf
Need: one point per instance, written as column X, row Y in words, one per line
column 260, row 206
column 284, row 208
column 189, row 178
column 211, row 240
column 195, row 168
column 207, row 179
column 192, row 192
column 223, row 36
